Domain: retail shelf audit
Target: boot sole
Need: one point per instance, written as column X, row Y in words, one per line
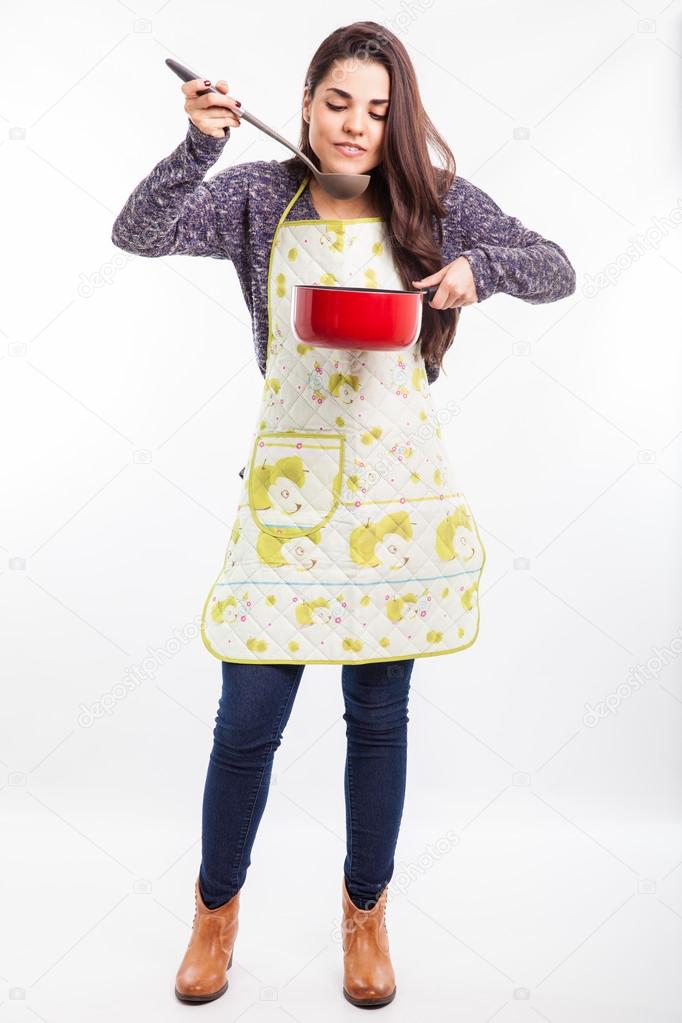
column 370, row 1003
column 198, row 999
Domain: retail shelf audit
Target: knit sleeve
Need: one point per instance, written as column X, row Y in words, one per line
column 174, row 211
column 506, row 256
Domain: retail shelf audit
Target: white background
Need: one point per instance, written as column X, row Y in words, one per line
column 558, row 894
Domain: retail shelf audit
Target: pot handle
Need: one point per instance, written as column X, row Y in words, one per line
column 430, row 292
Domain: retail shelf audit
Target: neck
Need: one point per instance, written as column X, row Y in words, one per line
column 363, row 205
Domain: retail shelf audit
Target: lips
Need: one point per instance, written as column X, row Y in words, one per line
column 352, row 150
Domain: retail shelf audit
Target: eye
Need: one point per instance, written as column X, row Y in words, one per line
column 377, row 117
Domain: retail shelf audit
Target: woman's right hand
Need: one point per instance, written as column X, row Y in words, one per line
column 211, row 113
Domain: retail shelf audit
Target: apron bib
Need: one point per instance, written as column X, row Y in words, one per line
column 351, row 542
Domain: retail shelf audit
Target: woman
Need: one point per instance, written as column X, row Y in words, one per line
column 351, row 543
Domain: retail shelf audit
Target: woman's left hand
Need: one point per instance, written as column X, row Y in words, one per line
column 457, row 285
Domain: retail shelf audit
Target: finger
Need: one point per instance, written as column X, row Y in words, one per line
column 215, row 104
column 445, row 297
column 433, row 279
column 441, row 300
column 217, row 99
column 222, row 120
column 193, row 87
column 457, row 299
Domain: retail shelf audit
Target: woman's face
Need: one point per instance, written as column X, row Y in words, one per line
column 350, row 106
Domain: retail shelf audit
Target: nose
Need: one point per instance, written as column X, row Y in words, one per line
column 354, row 123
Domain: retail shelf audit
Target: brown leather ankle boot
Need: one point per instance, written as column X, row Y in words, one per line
column 203, row 972
column 368, row 977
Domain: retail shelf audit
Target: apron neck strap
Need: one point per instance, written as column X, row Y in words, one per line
column 293, row 200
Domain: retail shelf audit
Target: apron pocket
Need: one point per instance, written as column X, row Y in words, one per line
column 294, row 482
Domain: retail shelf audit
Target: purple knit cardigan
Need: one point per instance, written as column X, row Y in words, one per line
column 233, row 215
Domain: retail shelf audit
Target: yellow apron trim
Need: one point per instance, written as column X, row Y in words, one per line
column 272, row 253
column 337, row 220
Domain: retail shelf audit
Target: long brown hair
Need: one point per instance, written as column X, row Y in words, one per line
column 407, row 187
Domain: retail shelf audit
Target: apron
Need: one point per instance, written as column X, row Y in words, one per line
column 351, row 542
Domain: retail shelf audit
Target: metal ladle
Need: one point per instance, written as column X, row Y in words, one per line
column 340, row 186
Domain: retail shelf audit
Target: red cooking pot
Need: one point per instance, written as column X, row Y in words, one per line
column 373, row 319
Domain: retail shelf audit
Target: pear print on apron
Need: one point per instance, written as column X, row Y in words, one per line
column 351, row 542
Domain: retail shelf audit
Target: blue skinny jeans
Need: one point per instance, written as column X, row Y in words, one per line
column 253, row 710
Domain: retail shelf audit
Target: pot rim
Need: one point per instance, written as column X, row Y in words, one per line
column 369, row 291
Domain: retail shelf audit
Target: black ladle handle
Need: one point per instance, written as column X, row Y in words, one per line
column 189, row 76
